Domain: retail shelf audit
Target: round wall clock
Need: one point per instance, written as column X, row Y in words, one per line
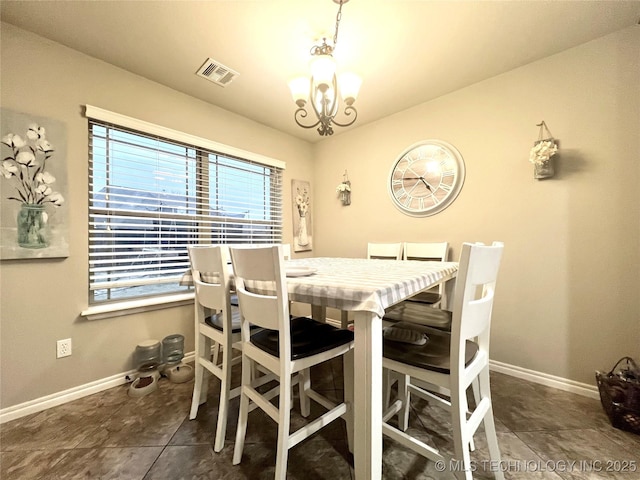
column 426, row 178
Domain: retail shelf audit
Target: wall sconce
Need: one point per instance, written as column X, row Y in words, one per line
column 344, row 190
column 540, row 155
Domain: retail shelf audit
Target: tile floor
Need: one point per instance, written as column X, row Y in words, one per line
column 112, row 436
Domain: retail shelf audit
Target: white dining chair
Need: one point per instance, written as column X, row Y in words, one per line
column 217, row 324
column 284, row 347
column 451, row 362
column 215, row 321
column 422, row 306
column 389, row 251
column 430, row 252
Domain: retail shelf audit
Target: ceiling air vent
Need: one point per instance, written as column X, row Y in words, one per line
column 216, row 72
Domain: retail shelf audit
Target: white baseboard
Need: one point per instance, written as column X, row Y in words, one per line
column 560, row 383
column 55, row 399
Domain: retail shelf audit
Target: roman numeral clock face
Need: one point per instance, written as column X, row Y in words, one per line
column 426, row 178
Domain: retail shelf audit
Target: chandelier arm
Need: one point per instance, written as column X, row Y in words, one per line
column 347, row 111
column 312, row 100
column 302, row 113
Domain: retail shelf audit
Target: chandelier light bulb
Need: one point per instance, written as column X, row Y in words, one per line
column 349, row 84
column 300, row 90
column 323, row 68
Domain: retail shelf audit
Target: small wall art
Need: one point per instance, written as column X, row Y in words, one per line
column 540, row 155
column 344, row 190
column 33, row 189
column 302, row 219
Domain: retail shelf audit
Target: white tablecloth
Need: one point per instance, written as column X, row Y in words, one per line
column 364, row 284
column 356, row 283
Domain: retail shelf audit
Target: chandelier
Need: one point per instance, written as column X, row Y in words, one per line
column 322, row 88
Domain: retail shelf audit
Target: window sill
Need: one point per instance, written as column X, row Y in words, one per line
column 99, row 312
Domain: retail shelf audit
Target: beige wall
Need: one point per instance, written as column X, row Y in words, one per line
column 568, row 295
column 42, row 299
column 568, row 300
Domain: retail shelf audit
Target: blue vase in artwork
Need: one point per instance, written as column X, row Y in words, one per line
column 32, row 226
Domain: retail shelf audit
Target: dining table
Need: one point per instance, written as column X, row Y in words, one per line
column 365, row 287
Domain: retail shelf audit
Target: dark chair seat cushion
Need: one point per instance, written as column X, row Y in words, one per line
column 215, row 321
column 308, row 337
column 419, row 313
column 434, row 355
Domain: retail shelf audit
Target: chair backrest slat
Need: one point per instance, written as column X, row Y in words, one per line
column 431, row 251
column 261, row 285
column 210, row 277
column 391, row 251
column 474, row 295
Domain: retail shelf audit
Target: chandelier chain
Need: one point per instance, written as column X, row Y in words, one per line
column 338, row 18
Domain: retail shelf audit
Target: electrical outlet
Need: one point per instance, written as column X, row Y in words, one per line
column 64, row 348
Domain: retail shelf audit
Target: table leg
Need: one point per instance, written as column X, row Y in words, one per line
column 348, row 396
column 319, row 313
column 368, row 396
column 447, row 300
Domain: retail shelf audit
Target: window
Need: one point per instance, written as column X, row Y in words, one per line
column 151, row 195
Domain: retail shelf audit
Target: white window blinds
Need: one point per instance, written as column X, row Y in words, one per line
column 151, row 196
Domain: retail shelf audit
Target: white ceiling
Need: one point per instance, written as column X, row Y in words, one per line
column 407, row 52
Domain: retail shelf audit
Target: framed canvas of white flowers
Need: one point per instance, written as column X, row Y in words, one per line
column 302, row 225
column 33, row 176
